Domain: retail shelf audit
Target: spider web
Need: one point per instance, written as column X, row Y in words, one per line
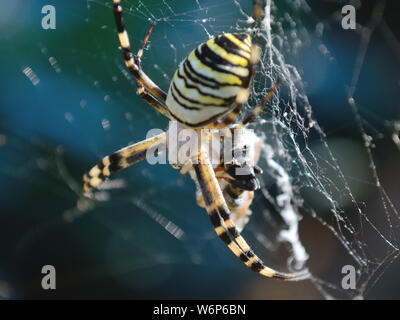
column 331, row 147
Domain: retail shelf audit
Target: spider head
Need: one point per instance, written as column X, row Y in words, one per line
column 244, row 176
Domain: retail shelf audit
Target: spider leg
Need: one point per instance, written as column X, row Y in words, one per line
column 257, row 110
column 121, row 159
column 230, row 118
column 138, row 58
column 246, row 206
column 134, row 65
column 219, row 215
column 152, row 101
column 160, row 107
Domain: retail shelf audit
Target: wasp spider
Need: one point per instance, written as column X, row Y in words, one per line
column 207, row 91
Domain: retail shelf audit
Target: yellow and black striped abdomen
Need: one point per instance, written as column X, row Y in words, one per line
column 207, row 82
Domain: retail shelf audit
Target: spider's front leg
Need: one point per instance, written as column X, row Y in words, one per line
column 146, row 88
column 225, row 228
column 132, row 66
column 121, row 159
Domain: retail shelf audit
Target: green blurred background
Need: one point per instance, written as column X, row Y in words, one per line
column 84, row 107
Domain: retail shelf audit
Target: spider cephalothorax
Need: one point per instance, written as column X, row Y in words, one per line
column 207, row 92
column 243, row 176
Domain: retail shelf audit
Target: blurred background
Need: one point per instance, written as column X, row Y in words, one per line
column 66, row 101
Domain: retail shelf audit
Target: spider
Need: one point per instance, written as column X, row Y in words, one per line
column 207, row 92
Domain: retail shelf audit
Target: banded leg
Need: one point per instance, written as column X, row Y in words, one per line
column 232, row 116
column 140, row 88
column 121, row 159
column 134, row 65
column 225, row 228
column 229, row 119
column 257, row 110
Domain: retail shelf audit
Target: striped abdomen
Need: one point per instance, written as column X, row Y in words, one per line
column 205, row 86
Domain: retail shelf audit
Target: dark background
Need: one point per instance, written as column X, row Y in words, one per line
column 52, row 133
